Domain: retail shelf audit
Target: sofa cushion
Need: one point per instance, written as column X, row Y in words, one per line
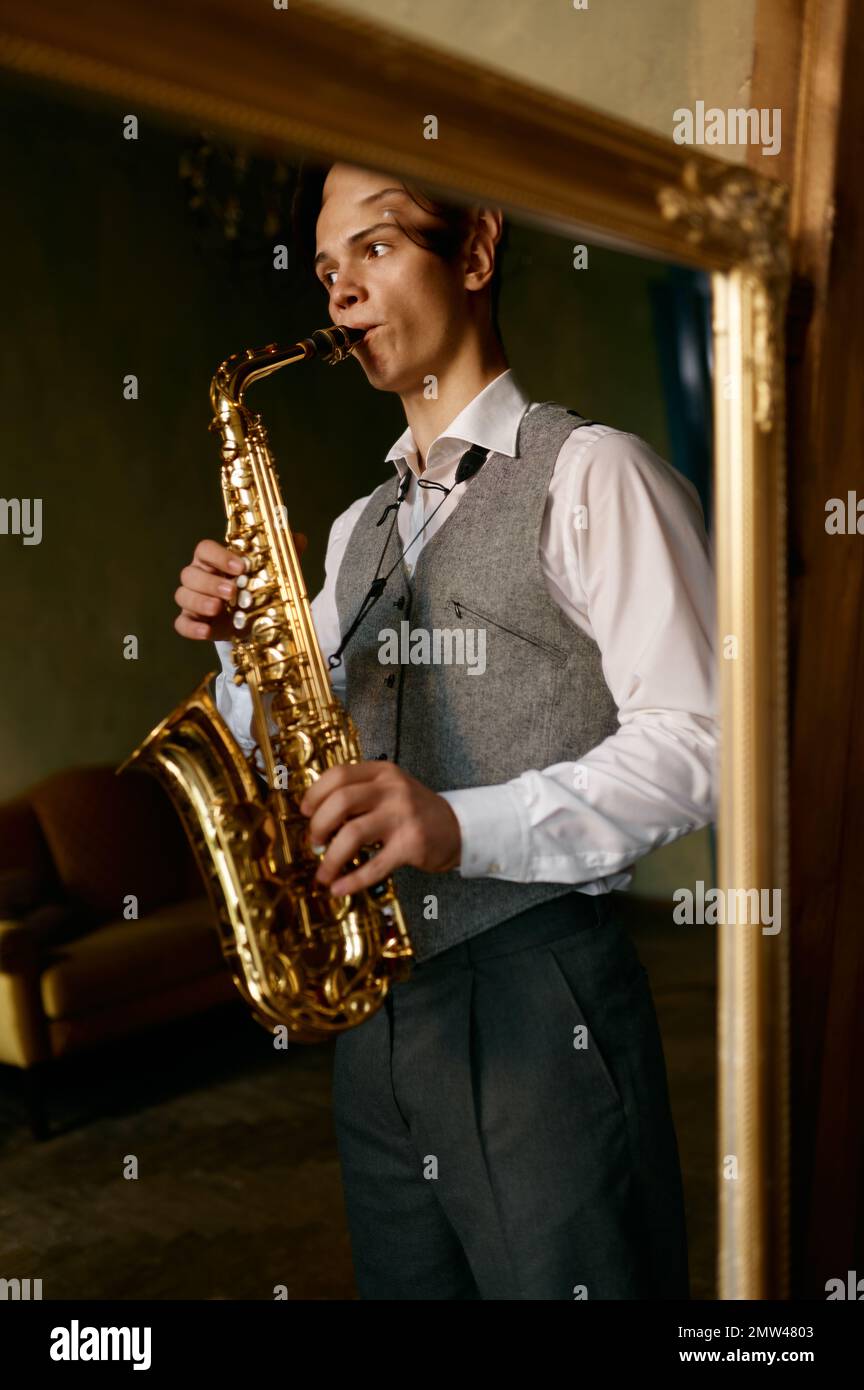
column 125, row 960
column 111, row 837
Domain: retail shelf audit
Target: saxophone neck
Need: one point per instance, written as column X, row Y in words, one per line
column 236, row 374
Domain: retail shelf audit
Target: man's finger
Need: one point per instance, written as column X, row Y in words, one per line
column 210, row 582
column 342, row 805
column 334, row 777
column 361, row 830
column 197, row 604
column 357, row 833
column 210, row 555
column 370, row 873
column 189, row 626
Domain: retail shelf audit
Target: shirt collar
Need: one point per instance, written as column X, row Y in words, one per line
column 491, row 420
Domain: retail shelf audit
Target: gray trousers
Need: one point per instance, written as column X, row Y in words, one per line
column 503, row 1121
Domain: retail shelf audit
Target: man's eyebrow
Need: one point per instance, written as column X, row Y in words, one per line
column 357, row 236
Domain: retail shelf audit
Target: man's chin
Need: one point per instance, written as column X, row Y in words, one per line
column 378, row 376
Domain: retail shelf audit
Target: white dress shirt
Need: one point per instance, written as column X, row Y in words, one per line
column 625, row 555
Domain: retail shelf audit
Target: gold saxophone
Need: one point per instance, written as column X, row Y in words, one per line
column 314, row 963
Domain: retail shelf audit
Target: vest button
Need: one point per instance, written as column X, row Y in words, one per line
column 379, row 756
column 390, row 679
column 399, row 602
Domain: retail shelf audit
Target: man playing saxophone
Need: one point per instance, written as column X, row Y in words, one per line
column 503, row 1123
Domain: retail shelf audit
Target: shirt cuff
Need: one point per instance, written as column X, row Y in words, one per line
column 494, row 833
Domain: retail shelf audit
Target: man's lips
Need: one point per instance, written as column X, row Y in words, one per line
column 364, row 341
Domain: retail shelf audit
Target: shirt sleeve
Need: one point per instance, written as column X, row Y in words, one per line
column 234, row 702
column 641, row 578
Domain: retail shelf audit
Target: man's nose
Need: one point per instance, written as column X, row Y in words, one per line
column 347, row 292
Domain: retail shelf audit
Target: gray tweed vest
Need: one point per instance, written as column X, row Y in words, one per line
column 541, row 699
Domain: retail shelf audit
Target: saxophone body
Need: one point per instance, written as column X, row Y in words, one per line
column 315, row 963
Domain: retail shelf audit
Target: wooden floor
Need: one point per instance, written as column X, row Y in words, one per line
column 238, row 1186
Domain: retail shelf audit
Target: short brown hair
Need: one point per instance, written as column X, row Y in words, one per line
column 442, row 241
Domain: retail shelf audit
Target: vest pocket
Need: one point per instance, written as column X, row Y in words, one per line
column 556, row 654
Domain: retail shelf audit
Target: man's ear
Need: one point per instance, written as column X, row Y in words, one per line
column 481, row 250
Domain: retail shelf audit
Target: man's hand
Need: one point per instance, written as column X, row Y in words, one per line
column 359, row 803
column 207, row 586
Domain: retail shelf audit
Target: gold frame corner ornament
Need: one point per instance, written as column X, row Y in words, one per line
column 750, row 215
column 311, row 78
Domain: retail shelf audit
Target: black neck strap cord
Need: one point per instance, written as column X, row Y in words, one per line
column 470, row 463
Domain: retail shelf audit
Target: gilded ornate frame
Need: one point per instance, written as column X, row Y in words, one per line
column 304, row 77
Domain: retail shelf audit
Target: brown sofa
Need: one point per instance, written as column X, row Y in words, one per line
column 74, row 972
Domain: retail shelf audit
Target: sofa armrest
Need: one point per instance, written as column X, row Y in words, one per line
column 23, row 940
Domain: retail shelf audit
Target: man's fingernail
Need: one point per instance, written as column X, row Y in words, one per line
column 317, row 849
column 236, row 565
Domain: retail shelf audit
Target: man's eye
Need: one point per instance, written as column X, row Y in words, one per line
column 328, row 283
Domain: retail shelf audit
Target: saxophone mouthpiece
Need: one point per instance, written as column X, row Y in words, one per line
column 334, row 344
